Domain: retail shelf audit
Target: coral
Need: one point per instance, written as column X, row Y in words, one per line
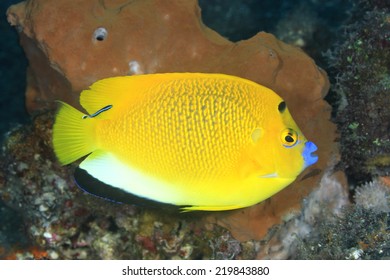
column 32, row 253
column 362, row 62
column 359, row 234
column 12, row 238
column 359, row 231
column 173, row 38
column 225, row 247
column 374, row 196
column 324, row 203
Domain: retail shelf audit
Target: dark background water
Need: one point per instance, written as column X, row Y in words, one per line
column 12, row 74
column 315, row 22
column 12, row 112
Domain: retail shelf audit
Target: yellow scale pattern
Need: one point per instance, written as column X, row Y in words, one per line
column 187, row 130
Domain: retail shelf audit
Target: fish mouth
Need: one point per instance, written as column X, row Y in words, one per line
column 308, row 154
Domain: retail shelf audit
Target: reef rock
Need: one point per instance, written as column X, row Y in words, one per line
column 71, row 44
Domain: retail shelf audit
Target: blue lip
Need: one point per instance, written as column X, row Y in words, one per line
column 308, row 156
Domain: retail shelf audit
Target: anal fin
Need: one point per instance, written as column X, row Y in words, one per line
column 93, row 186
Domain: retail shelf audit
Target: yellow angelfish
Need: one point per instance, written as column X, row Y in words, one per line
column 198, row 141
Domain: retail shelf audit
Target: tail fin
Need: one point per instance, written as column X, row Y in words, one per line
column 73, row 135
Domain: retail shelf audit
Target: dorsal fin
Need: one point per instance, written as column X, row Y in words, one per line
column 123, row 89
column 111, row 91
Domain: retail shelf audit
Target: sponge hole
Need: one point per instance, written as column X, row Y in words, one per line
column 100, row 34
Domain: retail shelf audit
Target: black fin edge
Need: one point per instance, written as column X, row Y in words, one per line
column 91, row 185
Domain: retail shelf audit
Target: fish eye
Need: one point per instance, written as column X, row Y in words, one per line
column 289, row 137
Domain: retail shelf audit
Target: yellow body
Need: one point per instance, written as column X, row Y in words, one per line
column 211, row 141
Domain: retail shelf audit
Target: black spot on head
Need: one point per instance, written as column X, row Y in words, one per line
column 282, row 106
